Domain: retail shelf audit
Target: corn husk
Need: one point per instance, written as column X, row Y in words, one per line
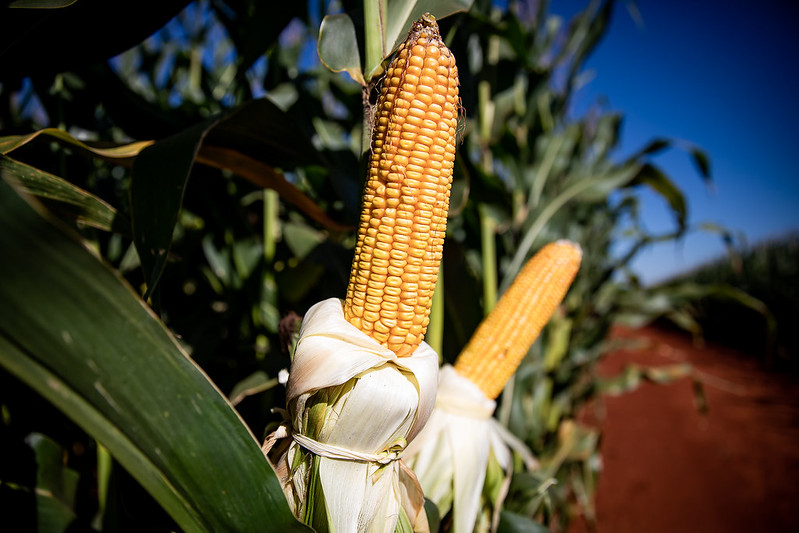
column 459, row 445
column 352, row 406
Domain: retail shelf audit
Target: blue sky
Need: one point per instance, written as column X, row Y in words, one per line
column 720, row 75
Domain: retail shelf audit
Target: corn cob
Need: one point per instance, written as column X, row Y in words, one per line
column 406, row 196
column 503, row 338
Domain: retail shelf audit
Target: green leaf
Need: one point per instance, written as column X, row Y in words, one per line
column 338, row 46
column 262, row 131
column 514, row 523
column 121, row 152
column 433, row 516
column 338, row 42
column 160, row 175
column 55, row 486
column 653, row 177
column 64, row 197
column 79, row 336
column 585, row 189
column 403, row 13
column 653, row 147
column 256, row 382
column 702, row 162
column 41, row 4
column 249, row 141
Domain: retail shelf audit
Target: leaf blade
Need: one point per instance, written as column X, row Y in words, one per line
column 74, row 332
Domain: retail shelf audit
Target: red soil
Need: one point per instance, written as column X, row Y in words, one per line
column 669, row 468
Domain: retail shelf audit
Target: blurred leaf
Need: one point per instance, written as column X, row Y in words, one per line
column 41, row 4
column 702, row 162
column 161, row 172
column 56, row 485
column 433, row 517
column 64, row 197
column 514, row 523
column 653, row 177
column 117, row 153
column 260, row 130
column 653, row 147
column 338, row 46
column 256, row 26
column 631, row 377
column 403, row 13
column 53, row 515
column 47, row 41
column 301, row 239
column 589, row 187
column 263, row 175
column 74, row 332
column 256, row 382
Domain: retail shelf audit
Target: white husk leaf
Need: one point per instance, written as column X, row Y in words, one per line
column 450, row 456
column 372, row 403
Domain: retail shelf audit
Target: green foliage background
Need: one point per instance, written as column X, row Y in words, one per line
column 212, row 171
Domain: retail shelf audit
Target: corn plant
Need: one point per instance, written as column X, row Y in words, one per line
column 189, row 195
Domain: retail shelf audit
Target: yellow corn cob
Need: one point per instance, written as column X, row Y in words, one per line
column 503, row 338
column 406, row 196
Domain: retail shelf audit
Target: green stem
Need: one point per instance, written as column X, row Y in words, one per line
column 103, row 475
column 435, row 329
column 271, row 206
column 489, row 253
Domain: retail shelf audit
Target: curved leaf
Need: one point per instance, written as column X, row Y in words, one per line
column 653, row 177
column 160, row 175
column 702, row 162
column 338, row 46
column 72, row 330
column 265, row 176
column 65, row 197
column 250, row 141
column 41, row 4
column 116, row 153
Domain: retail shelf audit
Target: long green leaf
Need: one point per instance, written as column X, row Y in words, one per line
column 65, row 197
column 79, row 336
column 120, row 152
column 160, row 175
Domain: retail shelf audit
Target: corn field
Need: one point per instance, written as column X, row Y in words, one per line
column 179, row 192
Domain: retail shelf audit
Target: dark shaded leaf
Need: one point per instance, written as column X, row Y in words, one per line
column 160, row 175
column 75, row 333
column 261, row 130
column 515, row 523
column 702, row 162
column 265, row 176
column 47, row 41
column 120, row 154
column 41, row 4
column 653, row 177
column 65, row 198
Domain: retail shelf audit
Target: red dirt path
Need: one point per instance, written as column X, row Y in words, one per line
column 669, row 468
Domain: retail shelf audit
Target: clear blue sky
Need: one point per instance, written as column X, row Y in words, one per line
column 721, row 75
